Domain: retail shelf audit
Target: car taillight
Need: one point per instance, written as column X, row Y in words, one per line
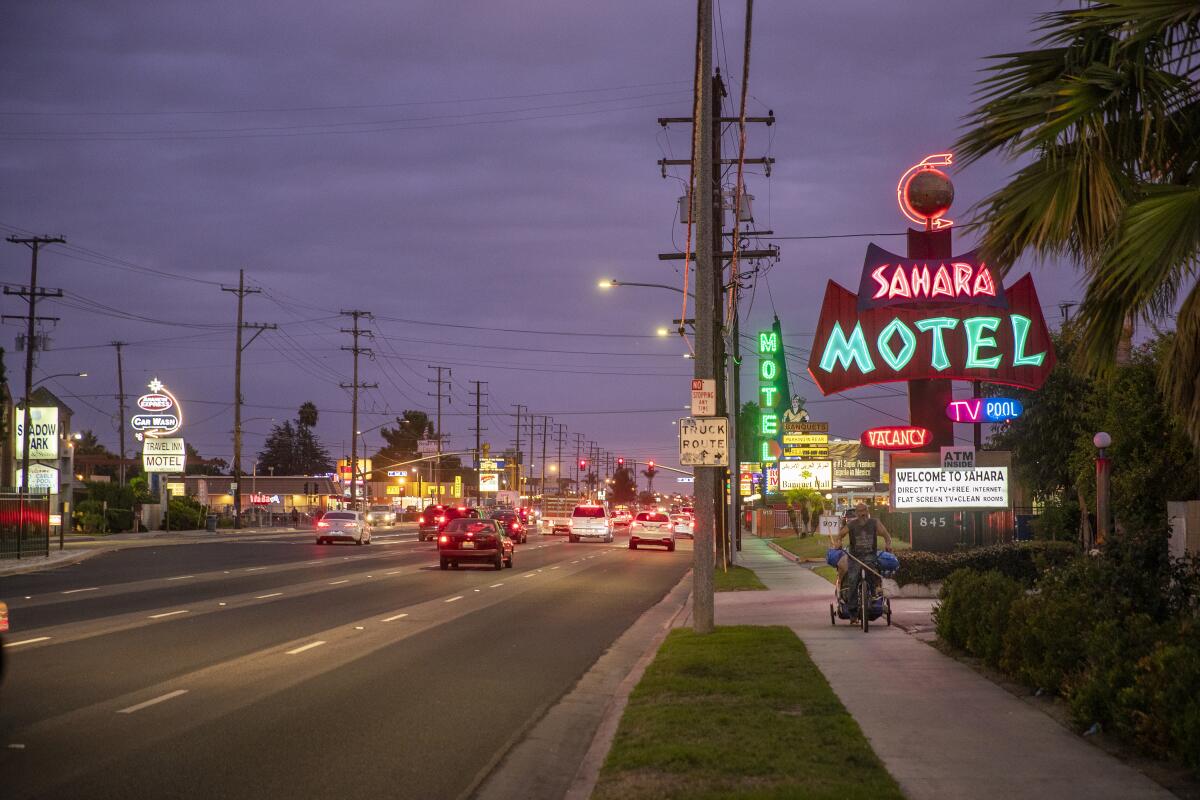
column 322, row 524
column 443, row 539
column 516, row 526
column 692, row 525
column 441, row 519
column 420, row 520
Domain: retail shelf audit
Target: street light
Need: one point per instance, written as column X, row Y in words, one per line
column 608, row 283
column 60, row 375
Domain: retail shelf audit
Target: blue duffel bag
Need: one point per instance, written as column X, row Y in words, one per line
column 888, row 563
column 833, row 555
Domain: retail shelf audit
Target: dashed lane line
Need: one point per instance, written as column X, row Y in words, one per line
column 168, row 614
column 180, row 577
column 456, row 597
column 26, row 641
column 76, row 591
column 154, row 702
column 335, row 583
column 265, row 596
column 395, row 617
column 495, row 585
column 308, row 646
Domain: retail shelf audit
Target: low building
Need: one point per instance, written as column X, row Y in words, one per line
column 278, row 494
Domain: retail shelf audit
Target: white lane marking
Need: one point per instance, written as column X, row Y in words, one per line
column 89, row 589
column 153, row 702
column 16, row 746
column 456, row 597
column 479, row 590
column 167, row 614
column 495, row 585
column 251, row 569
column 550, row 568
column 180, row 577
column 394, row 572
column 335, row 583
column 26, row 641
column 396, row 617
column 265, row 596
column 302, row 648
column 220, row 604
column 576, row 561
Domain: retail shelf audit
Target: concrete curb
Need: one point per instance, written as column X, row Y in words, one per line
column 790, row 556
column 589, row 769
column 56, row 559
column 563, row 748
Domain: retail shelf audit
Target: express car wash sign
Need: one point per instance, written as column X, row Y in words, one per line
column 918, row 319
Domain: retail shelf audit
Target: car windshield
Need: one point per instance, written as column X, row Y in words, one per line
column 471, row 526
column 588, row 511
column 339, row 515
column 381, row 508
column 504, row 515
column 646, row 516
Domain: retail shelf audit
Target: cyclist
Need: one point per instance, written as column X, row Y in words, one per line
column 864, row 532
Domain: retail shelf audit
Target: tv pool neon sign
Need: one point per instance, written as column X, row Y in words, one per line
column 984, row 409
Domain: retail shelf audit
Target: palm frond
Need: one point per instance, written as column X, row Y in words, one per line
column 1179, row 378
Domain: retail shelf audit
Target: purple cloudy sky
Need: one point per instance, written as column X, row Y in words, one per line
column 480, row 164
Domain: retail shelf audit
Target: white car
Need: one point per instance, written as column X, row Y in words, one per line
column 381, row 515
column 590, row 522
column 651, row 527
column 683, row 525
column 343, row 526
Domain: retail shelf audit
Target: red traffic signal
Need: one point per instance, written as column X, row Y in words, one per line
column 650, row 464
column 620, row 462
column 582, row 464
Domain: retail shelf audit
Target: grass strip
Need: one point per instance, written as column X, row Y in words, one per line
column 736, row 579
column 814, row 546
column 827, row 572
column 740, row 713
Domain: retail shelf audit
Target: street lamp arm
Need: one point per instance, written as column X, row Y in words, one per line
column 610, row 283
column 60, row 375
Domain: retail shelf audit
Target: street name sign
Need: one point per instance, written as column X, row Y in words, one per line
column 704, row 441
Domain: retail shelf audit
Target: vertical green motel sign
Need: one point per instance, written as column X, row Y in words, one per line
column 773, row 392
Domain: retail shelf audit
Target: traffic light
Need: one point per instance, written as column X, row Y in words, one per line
column 582, row 464
column 650, row 465
column 620, row 462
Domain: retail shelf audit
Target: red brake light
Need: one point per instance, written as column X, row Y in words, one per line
column 441, row 519
column 516, row 526
column 420, row 520
column 322, row 524
column 443, row 539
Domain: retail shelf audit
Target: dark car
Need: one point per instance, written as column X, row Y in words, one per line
column 475, row 540
column 434, row 518
column 512, row 523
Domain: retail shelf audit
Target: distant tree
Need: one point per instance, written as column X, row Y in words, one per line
column 295, row 449
column 401, row 442
column 199, row 465
column 649, row 473
column 88, row 444
column 624, row 490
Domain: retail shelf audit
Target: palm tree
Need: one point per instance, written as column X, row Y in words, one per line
column 1107, row 115
column 649, row 474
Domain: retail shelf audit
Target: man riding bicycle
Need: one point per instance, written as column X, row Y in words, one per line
column 863, row 532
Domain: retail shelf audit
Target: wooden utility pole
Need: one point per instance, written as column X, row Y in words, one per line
column 241, row 291
column 561, row 430
column 356, row 333
column 437, row 470
column 517, row 444
column 578, row 455
column 545, row 436
column 120, row 407
column 708, row 308
column 480, row 396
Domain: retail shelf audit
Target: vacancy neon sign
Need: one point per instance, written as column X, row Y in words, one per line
column 896, row 437
column 978, row 410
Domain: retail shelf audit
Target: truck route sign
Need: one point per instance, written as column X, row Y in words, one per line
column 704, row 441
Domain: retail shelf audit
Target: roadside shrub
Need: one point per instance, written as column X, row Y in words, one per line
column 186, row 514
column 1098, row 693
column 118, row 520
column 1022, row 561
column 1049, row 630
column 1163, row 705
column 1059, row 521
column 89, row 516
column 974, row 611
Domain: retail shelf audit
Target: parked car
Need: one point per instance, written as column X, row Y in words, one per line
column 622, row 517
column 381, row 515
column 683, row 525
column 651, row 527
column 511, row 521
column 590, row 522
column 344, row 526
column 469, row 539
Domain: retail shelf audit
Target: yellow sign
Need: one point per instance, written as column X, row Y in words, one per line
column 458, row 486
column 393, row 489
column 806, row 438
column 806, row 452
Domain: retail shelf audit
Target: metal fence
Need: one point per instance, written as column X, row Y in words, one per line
column 24, row 525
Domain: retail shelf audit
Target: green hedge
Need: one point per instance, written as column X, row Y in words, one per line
column 1092, row 631
column 1021, row 561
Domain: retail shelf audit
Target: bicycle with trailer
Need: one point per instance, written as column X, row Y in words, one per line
column 872, row 602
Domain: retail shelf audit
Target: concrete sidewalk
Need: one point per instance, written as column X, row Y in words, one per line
column 942, row 730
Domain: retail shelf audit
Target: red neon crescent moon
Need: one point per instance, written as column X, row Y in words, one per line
column 929, row 162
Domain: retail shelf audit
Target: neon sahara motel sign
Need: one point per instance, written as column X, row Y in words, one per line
column 770, row 352
column 891, row 331
column 896, row 437
column 984, row 409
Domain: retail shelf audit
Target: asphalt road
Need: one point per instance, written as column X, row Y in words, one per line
column 273, row 667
